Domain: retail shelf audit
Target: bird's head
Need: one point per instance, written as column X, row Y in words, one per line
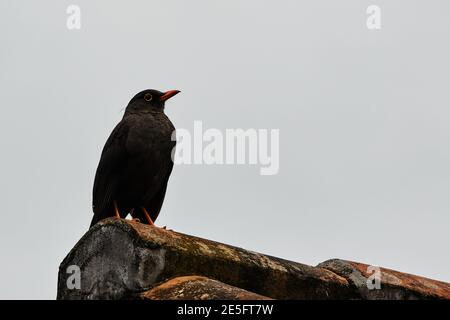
column 150, row 101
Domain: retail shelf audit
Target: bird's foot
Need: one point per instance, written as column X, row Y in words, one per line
column 116, row 210
column 150, row 221
column 147, row 216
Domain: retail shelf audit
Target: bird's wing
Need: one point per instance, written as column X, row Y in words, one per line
column 154, row 205
column 107, row 177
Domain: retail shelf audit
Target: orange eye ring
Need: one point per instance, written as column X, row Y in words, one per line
column 148, row 97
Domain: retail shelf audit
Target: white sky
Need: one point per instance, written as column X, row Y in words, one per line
column 363, row 115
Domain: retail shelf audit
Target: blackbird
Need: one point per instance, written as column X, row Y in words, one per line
column 136, row 161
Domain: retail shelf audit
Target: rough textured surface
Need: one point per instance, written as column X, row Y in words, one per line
column 122, row 259
column 394, row 285
column 198, row 288
column 119, row 259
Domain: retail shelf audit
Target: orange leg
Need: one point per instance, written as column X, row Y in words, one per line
column 116, row 209
column 149, row 220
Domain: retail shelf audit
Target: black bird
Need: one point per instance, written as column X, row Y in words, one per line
column 136, row 162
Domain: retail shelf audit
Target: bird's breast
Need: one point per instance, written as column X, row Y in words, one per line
column 150, row 136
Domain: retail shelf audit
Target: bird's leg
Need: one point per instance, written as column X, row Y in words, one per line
column 149, row 220
column 116, row 209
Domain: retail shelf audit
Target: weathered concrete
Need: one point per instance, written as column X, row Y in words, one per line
column 394, row 285
column 198, row 288
column 120, row 259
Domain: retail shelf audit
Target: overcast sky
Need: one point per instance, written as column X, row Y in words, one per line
column 363, row 116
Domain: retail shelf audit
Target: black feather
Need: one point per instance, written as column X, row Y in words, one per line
column 136, row 163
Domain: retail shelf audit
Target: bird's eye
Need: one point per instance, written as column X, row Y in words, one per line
column 148, row 97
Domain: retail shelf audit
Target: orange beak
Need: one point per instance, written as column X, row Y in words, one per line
column 169, row 94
